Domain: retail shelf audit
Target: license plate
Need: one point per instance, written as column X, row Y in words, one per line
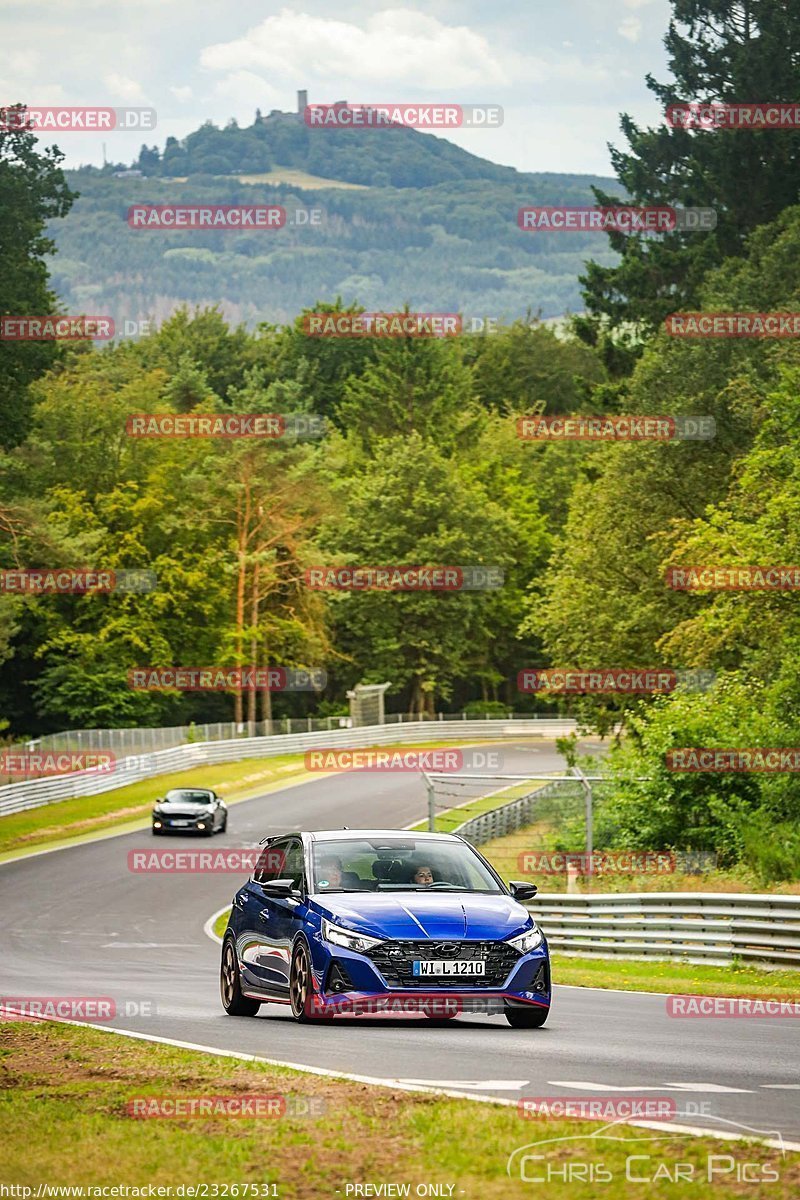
column 180, row 822
column 443, row 966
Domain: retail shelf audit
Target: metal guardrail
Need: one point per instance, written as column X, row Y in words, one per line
column 18, row 797
column 514, row 815
column 142, row 740
column 717, row 928
column 693, row 927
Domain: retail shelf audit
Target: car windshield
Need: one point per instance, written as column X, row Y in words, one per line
column 185, row 796
column 405, row 864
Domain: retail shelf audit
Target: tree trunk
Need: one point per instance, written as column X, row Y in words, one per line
column 252, row 694
column 242, row 526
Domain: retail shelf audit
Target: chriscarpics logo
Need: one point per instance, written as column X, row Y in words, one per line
column 622, row 1155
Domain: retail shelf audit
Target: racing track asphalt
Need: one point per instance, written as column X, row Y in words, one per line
column 77, row 922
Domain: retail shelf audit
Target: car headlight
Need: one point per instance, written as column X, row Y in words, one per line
column 527, row 941
column 359, row 942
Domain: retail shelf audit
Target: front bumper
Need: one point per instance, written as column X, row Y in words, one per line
column 379, row 982
column 168, row 824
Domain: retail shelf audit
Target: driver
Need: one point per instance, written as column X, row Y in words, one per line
column 423, row 876
column 330, row 872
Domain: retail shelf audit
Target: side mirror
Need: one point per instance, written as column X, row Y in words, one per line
column 522, row 891
column 278, row 887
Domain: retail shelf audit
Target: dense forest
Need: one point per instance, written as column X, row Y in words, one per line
column 421, row 462
column 423, row 221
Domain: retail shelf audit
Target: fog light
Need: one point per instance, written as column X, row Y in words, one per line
column 156, row 824
column 201, row 825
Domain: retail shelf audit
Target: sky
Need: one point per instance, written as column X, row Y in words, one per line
column 562, row 71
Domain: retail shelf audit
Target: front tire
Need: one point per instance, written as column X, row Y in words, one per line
column 301, row 988
column 230, row 986
column 527, row 1017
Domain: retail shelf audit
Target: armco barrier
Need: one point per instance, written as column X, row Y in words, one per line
column 695, row 927
column 17, row 797
column 514, row 815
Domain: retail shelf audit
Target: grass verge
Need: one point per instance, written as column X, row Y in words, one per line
column 670, row 977
column 80, row 1081
column 449, row 819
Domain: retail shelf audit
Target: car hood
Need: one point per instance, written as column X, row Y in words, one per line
column 182, row 810
column 426, row 915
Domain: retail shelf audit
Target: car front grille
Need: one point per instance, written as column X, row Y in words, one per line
column 395, row 962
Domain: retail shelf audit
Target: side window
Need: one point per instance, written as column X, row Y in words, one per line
column 271, row 862
column 293, row 866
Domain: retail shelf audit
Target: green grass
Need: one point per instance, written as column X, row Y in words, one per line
column 129, row 807
column 221, row 923
column 301, row 179
column 64, row 1093
column 449, row 819
column 669, row 977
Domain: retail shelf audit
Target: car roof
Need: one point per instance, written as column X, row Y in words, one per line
column 334, row 835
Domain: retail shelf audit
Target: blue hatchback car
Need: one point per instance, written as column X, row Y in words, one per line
column 386, row 921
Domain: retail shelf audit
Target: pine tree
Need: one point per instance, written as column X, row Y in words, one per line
column 730, row 51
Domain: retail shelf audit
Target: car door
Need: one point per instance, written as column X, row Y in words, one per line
column 287, row 912
column 262, row 952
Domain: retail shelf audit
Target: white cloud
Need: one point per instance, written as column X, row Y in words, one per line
column 630, row 28
column 245, row 91
column 120, row 87
column 396, row 46
column 182, row 93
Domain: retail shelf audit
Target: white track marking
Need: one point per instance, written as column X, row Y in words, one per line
column 499, row 1085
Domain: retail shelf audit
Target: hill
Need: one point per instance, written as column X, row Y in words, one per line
column 421, row 221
